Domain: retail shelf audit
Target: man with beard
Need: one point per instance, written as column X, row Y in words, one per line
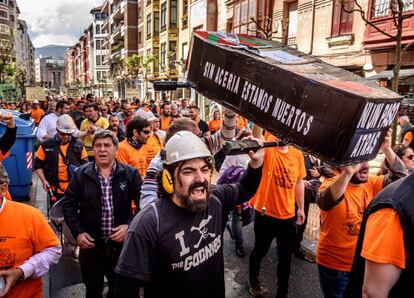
column 92, row 123
column 57, row 158
column 343, row 200
column 125, row 116
column 114, row 127
column 165, row 119
column 131, row 149
column 177, row 241
column 202, row 125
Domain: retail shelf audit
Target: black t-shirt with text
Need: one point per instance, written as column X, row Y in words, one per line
column 180, row 254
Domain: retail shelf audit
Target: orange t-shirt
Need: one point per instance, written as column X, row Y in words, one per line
column 241, row 123
column 152, row 147
column 384, row 239
column 408, row 137
column 165, row 123
column 214, row 125
column 280, row 173
column 4, row 156
column 37, row 115
column 340, row 226
column 62, row 168
column 134, row 157
column 24, row 232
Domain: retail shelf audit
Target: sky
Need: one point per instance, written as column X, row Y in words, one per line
column 58, row 22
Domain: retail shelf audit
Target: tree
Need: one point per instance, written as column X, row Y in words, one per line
column 396, row 8
column 7, row 68
column 137, row 65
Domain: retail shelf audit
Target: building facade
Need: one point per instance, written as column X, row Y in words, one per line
column 25, row 52
column 50, row 73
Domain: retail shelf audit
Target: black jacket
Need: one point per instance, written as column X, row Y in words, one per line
column 398, row 196
column 82, row 207
column 8, row 139
column 51, row 163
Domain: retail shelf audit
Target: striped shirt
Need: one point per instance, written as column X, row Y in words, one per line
column 214, row 143
column 107, row 203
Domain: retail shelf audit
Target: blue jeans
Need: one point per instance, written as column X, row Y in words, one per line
column 333, row 282
column 236, row 229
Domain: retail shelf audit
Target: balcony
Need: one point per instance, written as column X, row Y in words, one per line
column 116, row 12
column 381, row 17
column 116, row 32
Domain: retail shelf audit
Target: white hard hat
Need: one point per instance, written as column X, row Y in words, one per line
column 185, row 145
column 65, row 124
column 146, row 115
column 35, row 102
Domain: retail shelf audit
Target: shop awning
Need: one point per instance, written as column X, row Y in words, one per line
column 387, row 75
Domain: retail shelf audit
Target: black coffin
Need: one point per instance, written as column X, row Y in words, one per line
column 322, row 109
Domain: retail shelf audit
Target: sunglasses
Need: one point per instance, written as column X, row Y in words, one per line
column 411, row 156
column 64, row 134
column 147, row 132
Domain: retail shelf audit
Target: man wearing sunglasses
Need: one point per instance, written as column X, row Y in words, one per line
column 131, row 150
column 57, row 158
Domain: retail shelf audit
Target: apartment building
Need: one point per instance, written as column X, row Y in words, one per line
column 121, row 25
column 50, row 72
column 98, row 70
column 25, row 52
column 9, row 12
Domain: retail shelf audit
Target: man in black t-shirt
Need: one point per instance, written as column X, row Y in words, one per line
column 202, row 125
column 174, row 247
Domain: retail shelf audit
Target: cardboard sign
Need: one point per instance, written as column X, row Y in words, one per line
column 73, row 93
column 329, row 112
column 131, row 92
column 35, row 93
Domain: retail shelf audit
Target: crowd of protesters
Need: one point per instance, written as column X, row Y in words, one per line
column 135, row 180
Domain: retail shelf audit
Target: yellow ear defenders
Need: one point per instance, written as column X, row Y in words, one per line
column 167, row 181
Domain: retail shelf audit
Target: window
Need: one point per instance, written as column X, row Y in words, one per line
column 293, row 23
column 172, row 54
column 184, row 51
column 243, row 12
column 98, row 29
column 148, row 55
column 11, row 18
column 139, row 37
column 342, row 21
column 156, row 23
column 98, row 60
column 11, row 4
column 139, row 13
column 163, row 16
column 4, row 29
column 98, row 45
column 408, row 5
column 4, row 15
column 148, row 25
column 173, row 14
column 381, row 8
column 162, row 62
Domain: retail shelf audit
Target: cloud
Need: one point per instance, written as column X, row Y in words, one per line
column 56, row 21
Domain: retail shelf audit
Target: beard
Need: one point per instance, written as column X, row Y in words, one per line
column 195, row 205
column 357, row 179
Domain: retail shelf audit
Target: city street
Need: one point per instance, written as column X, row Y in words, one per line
column 64, row 279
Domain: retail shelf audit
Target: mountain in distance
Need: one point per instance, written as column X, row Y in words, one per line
column 51, row 50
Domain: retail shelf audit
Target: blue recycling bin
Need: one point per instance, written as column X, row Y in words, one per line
column 19, row 164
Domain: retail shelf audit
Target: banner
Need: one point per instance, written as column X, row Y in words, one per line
column 132, row 92
column 35, row 93
column 73, row 93
column 329, row 112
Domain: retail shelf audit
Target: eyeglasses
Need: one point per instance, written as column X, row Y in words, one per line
column 147, row 132
column 64, row 134
column 411, row 156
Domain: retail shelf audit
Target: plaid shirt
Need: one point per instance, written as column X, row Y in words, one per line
column 107, row 203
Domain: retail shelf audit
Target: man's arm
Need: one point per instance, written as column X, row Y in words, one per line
column 331, row 196
column 227, row 132
column 395, row 166
column 71, row 205
column 300, row 201
column 149, row 187
column 9, row 137
column 38, row 264
column 379, row 279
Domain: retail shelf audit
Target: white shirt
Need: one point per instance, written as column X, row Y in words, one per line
column 47, row 127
